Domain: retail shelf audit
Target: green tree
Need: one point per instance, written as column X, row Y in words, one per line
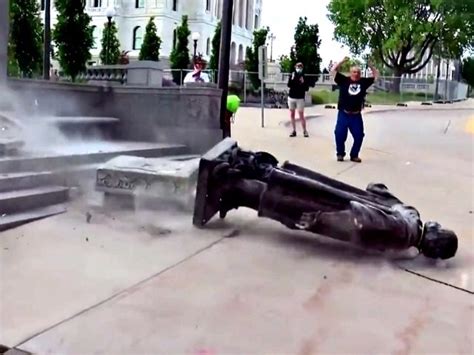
column 12, row 68
column 151, row 43
column 73, row 36
column 251, row 57
column 110, row 53
column 403, row 33
column 26, row 36
column 179, row 56
column 286, row 64
column 468, row 70
column 216, row 46
column 306, row 47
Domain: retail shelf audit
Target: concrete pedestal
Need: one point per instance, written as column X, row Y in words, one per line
column 156, row 182
column 145, row 73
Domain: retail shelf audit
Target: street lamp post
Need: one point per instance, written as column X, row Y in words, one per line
column 110, row 13
column 224, row 62
column 195, row 36
column 47, row 40
column 272, row 38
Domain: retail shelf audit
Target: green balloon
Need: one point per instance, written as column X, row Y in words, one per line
column 233, row 103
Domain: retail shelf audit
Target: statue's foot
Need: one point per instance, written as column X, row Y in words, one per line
column 438, row 243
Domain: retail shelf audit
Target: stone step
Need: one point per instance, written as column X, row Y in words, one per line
column 104, row 127
column 28, row 199
column 80, row 120
column 86, row 153
column 17, row 219
column 24, row 180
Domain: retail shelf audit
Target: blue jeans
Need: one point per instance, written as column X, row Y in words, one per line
column 354, row 124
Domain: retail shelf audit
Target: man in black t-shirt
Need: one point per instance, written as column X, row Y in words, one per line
column 352, row 92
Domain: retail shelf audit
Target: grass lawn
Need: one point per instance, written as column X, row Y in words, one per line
column 321, row 97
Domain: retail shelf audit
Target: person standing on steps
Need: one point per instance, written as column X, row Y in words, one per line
column 352, row 92
column 296, row 102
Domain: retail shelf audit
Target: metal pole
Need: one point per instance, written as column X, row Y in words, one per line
column 438, row 74
column 224, row 62
column 446, row 98
column 245, row 86
column 262, row 89
column 4, row 31
column 272, row 38
column 47, row 40
column 195, row 47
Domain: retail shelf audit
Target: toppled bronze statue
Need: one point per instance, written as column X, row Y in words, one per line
column 302, row 199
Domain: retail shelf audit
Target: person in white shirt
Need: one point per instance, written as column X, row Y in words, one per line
column 197, row 75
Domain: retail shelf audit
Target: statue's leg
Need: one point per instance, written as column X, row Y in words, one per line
column 323, row 179
column 374, row 192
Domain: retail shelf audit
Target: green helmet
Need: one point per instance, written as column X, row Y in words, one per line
column 233, row 103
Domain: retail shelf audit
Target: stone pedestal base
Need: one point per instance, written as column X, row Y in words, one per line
column 151, row 182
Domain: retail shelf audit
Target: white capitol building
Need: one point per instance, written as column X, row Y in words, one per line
column 132, row 17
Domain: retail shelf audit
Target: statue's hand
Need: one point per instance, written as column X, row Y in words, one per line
column 308, row 220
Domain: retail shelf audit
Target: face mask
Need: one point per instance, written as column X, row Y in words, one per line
column 299, row 70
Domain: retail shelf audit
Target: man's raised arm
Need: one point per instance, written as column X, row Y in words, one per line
column 375, row 72
column 335, row 69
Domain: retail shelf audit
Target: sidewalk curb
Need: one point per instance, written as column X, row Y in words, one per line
column 430, row 108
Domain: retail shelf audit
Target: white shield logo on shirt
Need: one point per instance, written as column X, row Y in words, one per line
column 354, row 89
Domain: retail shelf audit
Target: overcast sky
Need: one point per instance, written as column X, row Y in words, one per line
column 282, row 16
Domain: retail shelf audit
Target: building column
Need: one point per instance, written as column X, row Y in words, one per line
column 4, row 31
column 237, row 12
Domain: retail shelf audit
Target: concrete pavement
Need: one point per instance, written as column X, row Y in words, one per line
column 149, row 283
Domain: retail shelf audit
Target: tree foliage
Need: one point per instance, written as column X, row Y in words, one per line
column 306, row 47
column 151, row 43
column 12, row 69
column 403, row 33
column 286, row 64
column 179, row 56
column 216, row 46
column 468, row 70
column 110, row 53
column 73, row 36
column 26, row 36
column 251, row 57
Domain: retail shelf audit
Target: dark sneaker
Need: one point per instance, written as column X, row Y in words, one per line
column 340, row 158
column 306, row 134
column 356, row 160
column 293, row 134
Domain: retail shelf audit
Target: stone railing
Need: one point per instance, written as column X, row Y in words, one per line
column 140, row 73
column 109, row 73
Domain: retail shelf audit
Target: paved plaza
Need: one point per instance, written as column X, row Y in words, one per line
column 150, row 283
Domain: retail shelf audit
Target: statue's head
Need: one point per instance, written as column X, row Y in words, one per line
column 437, row 242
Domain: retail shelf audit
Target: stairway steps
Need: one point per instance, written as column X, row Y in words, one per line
column 17, row 219
column 25, row 180
column 28, row 199
column 84, row 155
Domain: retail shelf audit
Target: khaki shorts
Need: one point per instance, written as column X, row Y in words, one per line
column 296, row 104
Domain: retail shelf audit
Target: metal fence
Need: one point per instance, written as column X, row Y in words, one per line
column 387, row 90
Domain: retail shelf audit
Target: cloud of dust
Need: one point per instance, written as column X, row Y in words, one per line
column 35, row 122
